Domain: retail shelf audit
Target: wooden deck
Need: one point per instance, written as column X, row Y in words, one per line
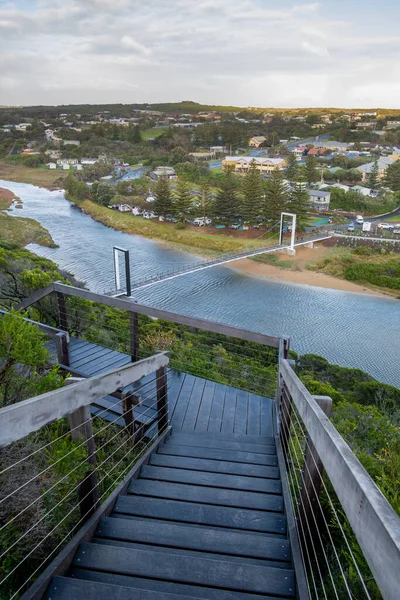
column 195, row 404
column 204, row 519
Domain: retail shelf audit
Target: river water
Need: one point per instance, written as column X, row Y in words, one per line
column 347, row 328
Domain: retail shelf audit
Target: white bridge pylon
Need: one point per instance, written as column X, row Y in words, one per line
column 293, row 236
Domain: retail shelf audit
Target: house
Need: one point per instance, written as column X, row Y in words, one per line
column 299, row 151
column 89, row 161
column 341, row 186
column 392, row 125
column 320, row 199
column 316, row 151
column 263, row 164
column 67, row 162
column 256, row 141
column 163, row 173
column 382, row 163
column 51, row 165
column 71, row 142
column 366, row 125
column 364, row 191
column 53, row 153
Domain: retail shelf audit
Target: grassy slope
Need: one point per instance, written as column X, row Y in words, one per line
column 201, row 243
column 22, row 231
column 6, row 198
column 41, row 177
column 152, row 133
column 339, row 261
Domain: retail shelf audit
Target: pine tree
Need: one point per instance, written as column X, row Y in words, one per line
column 162, row 197
column 205, row 208
column 392, row 176
column 311, row 169
column 182, row 201
column 374, row 175
column 253, row 193
column 226, row 203
column 292, row 169
column 276, row 196
column 137, row 136
column 299, row 204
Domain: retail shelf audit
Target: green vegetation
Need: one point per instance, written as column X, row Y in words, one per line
column 23, row 231
column 152, row 133
column 274, row 260
column 392, row 176
column 354, row 202
column 6, row 198
column 40, row 177
column 372, row 266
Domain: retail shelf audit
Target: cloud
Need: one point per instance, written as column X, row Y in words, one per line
column 244, row 52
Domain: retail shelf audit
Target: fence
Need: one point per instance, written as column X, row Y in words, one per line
column 346, row 533
column 243, row 359
column 59, row 462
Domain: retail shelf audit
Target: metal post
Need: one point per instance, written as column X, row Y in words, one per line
column 162, row 399
column 293, row 231
column 285, row 415
column 127, row 274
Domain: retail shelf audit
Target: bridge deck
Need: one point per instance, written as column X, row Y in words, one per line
column 195, row 404
column 204, row 519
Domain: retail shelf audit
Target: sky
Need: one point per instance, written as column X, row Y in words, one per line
column 262, row 53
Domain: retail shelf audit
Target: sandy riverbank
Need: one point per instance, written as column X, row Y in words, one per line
column 300, row 274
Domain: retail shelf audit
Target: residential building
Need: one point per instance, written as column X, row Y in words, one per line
column 51, row 165
column 364, row 191
column 71, row 142
column 366, row 125
column 163, row 173
column 264, row 165
column 383, row 164
column 299, row 151
column 89, row 161
column 67, row 161
column 317, row 151
column 320, row 199
column 257, row 141
column 392, row 125
column 53, row 153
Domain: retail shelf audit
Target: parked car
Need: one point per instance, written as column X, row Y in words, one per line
column 149, row 215
column 350, row 227
column 385, row 226
column 201, row 221
column 359, row 220
column 396, row 231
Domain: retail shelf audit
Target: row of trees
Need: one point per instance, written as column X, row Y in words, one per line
column 249, row 200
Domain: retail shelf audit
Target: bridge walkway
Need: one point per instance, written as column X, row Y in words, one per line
column 204, row 519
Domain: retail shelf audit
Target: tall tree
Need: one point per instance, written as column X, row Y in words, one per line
column 392, row 176
column 162, row 197
column 205, row 208
column 253, row 193
column 136, row 135
column 276, row 196
column 311, row 169
column 299, row 204
column 226, row 207
column 374, row 175
column 292, row 168
column 182, row 201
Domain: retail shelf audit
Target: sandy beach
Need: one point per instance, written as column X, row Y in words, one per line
column 302, row 275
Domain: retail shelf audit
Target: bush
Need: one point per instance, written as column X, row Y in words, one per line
column 180, row 225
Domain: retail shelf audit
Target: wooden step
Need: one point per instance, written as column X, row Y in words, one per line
column 214, row 466
column 203, row 514
column 174, row 449
column 68, row 588
column 192, row 570
column 181, row 589
column 228, row 437
column 219, row 496
column 174, row 535
column 205, row 442
column 233, row 482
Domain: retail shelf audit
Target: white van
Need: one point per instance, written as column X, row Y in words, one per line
column 359, row 220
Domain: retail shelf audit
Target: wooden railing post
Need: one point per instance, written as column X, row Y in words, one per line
column 80, row 422
column 62, row 312
column 308, row 511
column 62, row 347
column 134, row 336
column 162, row 399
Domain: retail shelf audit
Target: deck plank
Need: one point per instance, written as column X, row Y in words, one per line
column 232, row 482
column 217, row 408
column 254, row 415
column 178, row 416
column 192, row 411
column 214, row 466
column 240, row 423
column 203, row 416
column 192, row 570
column 174, row 449
column 228, row 417
column 209, row 495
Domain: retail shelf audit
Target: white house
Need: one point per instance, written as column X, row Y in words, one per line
column 67, row 161
column 89, row 161
column 51, row 165
column 319, row 199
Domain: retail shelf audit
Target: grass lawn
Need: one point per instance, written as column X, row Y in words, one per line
column 22, row 231
column 41, row 177
column 151, row 133
column 395, row 219
column 205, row 244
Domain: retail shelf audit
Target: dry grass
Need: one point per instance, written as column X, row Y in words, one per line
column 6, row 198
column 41, row 177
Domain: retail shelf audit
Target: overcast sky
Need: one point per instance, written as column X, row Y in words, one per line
column 241, row 52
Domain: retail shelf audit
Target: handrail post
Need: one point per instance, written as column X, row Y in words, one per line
column 62, row 311
column 162, row 398
column 62, row 348
column 311, row 477
column 134, row 336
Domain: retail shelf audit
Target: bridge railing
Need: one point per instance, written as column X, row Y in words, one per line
column 229, row 355
column 60, row 460
column 345, row 535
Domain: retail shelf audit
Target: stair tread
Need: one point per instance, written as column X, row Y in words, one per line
column 214, row 466
column 175, row 449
